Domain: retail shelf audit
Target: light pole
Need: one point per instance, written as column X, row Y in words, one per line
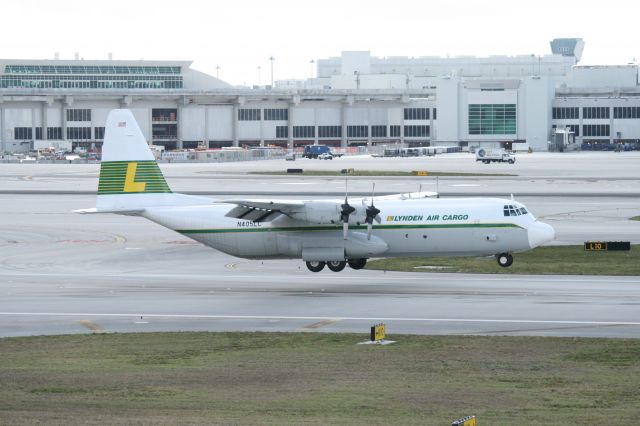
column 217, row 71
column 271, row 58
column 259, row 68
column 312, row 62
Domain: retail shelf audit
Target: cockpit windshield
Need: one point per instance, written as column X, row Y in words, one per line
column 511, row 210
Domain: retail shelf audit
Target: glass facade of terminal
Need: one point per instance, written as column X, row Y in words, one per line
column 492, row 119
column 90, row 77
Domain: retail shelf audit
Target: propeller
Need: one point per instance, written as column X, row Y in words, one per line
column 346, row 209
column 371, row 214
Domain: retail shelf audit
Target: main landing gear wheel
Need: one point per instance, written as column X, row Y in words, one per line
column 357, row 263
column 315, row 266
column 504, row 259
column 336, row 266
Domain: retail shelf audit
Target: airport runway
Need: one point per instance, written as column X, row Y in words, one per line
column 67, row 273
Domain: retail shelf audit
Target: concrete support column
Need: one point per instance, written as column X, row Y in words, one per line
column 405, row 102
column 431, row 132
column 234, row 127
column 262, row 127
column 179, row 127
column 33, row 126
column 290, row 126
column 580, row 126
column 64, row 104
column 63, row 120
column 206, row 126
column 612, row 136
column 150, row 126
column 369, row 130
column 315, row 127
column 343, row 123
column 43, row 120
column 3, row 147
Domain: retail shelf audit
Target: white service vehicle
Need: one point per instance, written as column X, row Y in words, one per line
column 494, row 155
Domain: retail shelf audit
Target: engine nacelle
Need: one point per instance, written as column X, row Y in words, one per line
column 327, row 212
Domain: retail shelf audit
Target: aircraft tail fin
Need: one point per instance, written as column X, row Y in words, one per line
column 130, row 178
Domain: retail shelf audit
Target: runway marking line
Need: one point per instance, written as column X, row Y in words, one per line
column 312, row 318
column 400, row 276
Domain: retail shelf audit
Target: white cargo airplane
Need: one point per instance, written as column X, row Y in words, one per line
column 320, row 232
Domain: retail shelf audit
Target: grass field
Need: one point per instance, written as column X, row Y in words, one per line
column 565, row 260
column 635, row 218
column 373, row 173
column 315, row 378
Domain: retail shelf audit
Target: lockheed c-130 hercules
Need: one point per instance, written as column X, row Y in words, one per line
column 332, row 233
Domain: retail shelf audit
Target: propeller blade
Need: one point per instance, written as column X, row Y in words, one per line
column 373, row 192
column 346, row 211
column 372, row 213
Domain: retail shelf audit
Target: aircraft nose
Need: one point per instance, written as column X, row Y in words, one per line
column 540, row 233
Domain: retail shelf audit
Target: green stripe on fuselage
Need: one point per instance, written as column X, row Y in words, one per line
column 339, row 227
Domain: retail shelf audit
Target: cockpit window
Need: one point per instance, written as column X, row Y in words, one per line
column 510, row 210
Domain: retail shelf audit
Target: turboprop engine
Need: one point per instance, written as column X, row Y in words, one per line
column 330, row 212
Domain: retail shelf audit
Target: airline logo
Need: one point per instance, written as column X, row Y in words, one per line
column 428, row 218
column 131, row 177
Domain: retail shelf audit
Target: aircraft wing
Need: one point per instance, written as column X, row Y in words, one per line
column 283, row 206
column 406, row 196
column 263, row 210
column 313, row 211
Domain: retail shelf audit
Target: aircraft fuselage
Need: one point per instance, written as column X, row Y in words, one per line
column 423, row 227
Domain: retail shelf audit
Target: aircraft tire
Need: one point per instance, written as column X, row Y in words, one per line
column 357, row 263
column 504, row 259
column 315, row 266
column 336, row 266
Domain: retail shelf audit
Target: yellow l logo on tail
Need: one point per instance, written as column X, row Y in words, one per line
column 129, row 184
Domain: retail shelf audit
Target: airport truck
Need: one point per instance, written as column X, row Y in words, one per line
column 494, row 155
column 314, row 151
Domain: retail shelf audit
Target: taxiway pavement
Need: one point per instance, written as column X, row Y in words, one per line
column 67, row 273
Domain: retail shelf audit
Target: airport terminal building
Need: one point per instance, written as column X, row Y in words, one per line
column 356, row 99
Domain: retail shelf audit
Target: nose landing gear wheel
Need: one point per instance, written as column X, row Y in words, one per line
column 336, row 266
column 504, row 259
column 315, row 266
column 357, row 263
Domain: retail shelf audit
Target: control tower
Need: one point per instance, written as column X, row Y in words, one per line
column 571, row 47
